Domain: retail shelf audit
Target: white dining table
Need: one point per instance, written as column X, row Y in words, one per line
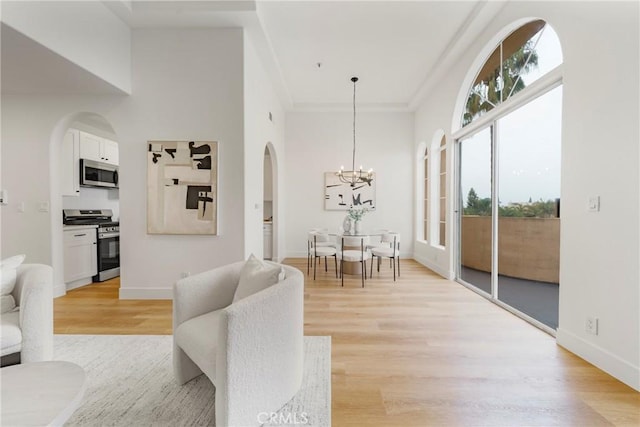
column 354, row 268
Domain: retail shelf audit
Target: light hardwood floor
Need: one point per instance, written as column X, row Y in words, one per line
column 422, row 351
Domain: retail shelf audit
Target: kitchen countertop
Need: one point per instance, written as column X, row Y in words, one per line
column 79, row 227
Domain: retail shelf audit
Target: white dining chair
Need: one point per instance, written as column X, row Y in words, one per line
column 360, row 254
column 320, row 245
column 376, row 239
column 391, row 251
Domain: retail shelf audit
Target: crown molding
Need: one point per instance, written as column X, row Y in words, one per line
column 347, row 107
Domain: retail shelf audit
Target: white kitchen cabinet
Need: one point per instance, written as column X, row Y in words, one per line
column 110, row 151
column 267, row 229
column 70, row 164
column 99, row 149
column 80, row 253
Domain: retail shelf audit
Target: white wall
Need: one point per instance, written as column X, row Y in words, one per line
column 260, row 99
column 599, row 256
column 32, row 132
column 86, row 33
column 319, row 142
column 188, row 85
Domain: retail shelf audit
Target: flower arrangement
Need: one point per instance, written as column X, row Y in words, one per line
column 356, row 214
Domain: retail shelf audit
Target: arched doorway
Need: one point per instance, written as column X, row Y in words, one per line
column 80, row 144
column 270, row 204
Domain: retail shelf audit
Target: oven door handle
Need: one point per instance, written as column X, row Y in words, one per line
column 108, row 235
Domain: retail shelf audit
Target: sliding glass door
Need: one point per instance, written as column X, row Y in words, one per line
column 529, row 208
column 475, row 217
column 509, row 209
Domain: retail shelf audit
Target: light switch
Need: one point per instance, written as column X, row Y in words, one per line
column 594, row 204
column 4, row 197
column 21, row 207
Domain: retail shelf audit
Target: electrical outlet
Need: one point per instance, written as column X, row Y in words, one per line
column 185, row 274
column 43, row 206
column 591, row 325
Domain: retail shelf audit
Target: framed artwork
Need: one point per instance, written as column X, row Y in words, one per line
column 182, row 187
column 339, row 196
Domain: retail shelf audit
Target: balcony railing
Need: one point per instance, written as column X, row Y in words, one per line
column 529, row 248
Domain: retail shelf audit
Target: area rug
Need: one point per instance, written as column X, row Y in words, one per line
column 130, row 383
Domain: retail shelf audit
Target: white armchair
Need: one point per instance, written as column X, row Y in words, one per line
column 251, row 349
column 28, row 329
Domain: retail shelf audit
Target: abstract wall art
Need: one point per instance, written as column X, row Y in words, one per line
column 341, row 196
column 182, row 187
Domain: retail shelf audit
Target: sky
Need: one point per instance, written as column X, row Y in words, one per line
column 529, row 143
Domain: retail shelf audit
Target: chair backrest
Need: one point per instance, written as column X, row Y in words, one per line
column 354, row 241
column 318, row 237
column 393, row 239
column 322, row 237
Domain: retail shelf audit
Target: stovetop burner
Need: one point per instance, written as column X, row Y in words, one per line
column 102, row 217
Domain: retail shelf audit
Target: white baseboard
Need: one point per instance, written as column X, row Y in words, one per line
column 431, row 266
column 59, row 290
column 146, row 293
column 601, row 358
column 78, row 283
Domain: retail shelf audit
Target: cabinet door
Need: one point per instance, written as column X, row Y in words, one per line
column 80, row 254
column 110, row 151
column 69, row 164
column 90, row 147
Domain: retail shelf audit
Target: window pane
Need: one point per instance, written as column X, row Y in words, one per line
column 521, row 58
column 476, row 228
column 549, row 55
column 528, row 229
column 443, row 161
column 442, row 234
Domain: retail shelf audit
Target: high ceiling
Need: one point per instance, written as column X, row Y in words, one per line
column 311, row 49
column 390, row 46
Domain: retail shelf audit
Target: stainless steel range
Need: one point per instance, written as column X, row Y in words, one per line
column 108, row 233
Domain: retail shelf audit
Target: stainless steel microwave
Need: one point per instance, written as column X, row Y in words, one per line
column 98, row 174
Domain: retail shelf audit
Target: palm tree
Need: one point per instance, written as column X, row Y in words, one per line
column 498, row 86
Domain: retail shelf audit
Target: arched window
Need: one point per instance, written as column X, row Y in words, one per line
column 508, row 168
column 521, row 58
column 425, row 218
column 442, row 220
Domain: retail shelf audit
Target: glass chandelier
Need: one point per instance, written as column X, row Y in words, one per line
column 354, row 176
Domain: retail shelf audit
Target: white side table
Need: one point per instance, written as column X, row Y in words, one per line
column 41, row 393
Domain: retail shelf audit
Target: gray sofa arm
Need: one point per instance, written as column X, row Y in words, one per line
column 34, row 295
